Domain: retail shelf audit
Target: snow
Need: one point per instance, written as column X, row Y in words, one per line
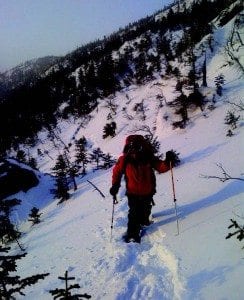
column 197, row 263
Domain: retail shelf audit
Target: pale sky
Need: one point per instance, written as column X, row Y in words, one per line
column 36, row 28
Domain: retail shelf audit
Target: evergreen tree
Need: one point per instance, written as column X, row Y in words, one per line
column 182, row 105
column 219, row 81
column 81, row 153
column 229, row 133
column 62, row 189
column 34, row 216
column 108, row 161
column 192, row 76
column 97, row 156
column 13, row 284
column 197, row 99
column 204, row 72
column 32, row 163
column 106, row 75
column 155, row 144
column 109, row 130
column 231, row 119
column 62, row 186
column 8, row 233
column 140, row 68
column 239, row 232
column 65, row 293
column 21, row 156
column 72, row 169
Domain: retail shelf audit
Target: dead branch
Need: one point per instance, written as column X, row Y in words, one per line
column 96, row 188
column 144, row 128
column 225, row 176
column 240, row 106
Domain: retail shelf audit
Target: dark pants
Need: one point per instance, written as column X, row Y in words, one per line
column 139, row 212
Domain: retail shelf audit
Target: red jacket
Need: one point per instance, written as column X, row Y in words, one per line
column 140, row 179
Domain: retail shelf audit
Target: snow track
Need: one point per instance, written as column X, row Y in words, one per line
column 134, row 271
column 149, row 270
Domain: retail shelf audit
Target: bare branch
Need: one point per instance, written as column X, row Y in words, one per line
column 240, row 105
column 225, row 176
column 144, row 128
column 96, row 188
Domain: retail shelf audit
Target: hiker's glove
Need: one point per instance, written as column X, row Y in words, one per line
column 170, row 157
column 114, row 189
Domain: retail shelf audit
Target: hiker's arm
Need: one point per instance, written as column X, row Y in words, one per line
column 118, row 170
column 161, row 166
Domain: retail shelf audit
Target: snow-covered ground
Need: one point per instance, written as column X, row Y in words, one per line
column 199, row 263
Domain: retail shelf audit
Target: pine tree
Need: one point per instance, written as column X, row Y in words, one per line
column 32, row 163
column 21, row 156
column 109, row 130
column 219, row 82
column 62, row 189
column 204, row 72
column 140, row 67
column 231, row 119
column 182, row 105
column 8, row 233
column 239, row 232
column 229, row 133
column 97, row 156
column 62, row 186
column 197, row 99
column 192, row 76
column 34, row 216
column 81, row 153
column 108, row 161
column 72, row 169
column 13, row 284
column 154, row 143
column 65, row 293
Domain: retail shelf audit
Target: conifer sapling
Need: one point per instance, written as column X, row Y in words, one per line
column 66, row 292
column 34, row 216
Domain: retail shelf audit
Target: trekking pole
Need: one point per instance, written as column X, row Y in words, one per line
column 115, row 201
column 173, row 187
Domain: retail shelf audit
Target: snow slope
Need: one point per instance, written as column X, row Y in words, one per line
column 196, row 264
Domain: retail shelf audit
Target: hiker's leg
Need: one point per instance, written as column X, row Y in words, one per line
column 146, row 209
column 133, row 226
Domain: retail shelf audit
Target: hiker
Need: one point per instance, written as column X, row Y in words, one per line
column 137, row 164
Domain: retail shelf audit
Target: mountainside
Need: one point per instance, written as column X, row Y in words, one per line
column 160, row 45
column 192, row 103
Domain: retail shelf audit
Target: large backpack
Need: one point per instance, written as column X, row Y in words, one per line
column 139, row 151
column 138, row 146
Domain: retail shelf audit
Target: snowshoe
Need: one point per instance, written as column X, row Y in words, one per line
column 132, row 239
column 148, row 223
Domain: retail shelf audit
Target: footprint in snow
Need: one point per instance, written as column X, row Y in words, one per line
column 150, row 271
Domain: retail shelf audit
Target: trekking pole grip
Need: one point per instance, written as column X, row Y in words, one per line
column 115, row 201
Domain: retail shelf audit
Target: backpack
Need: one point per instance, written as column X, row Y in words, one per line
column 138, row 147
column 139, row 151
